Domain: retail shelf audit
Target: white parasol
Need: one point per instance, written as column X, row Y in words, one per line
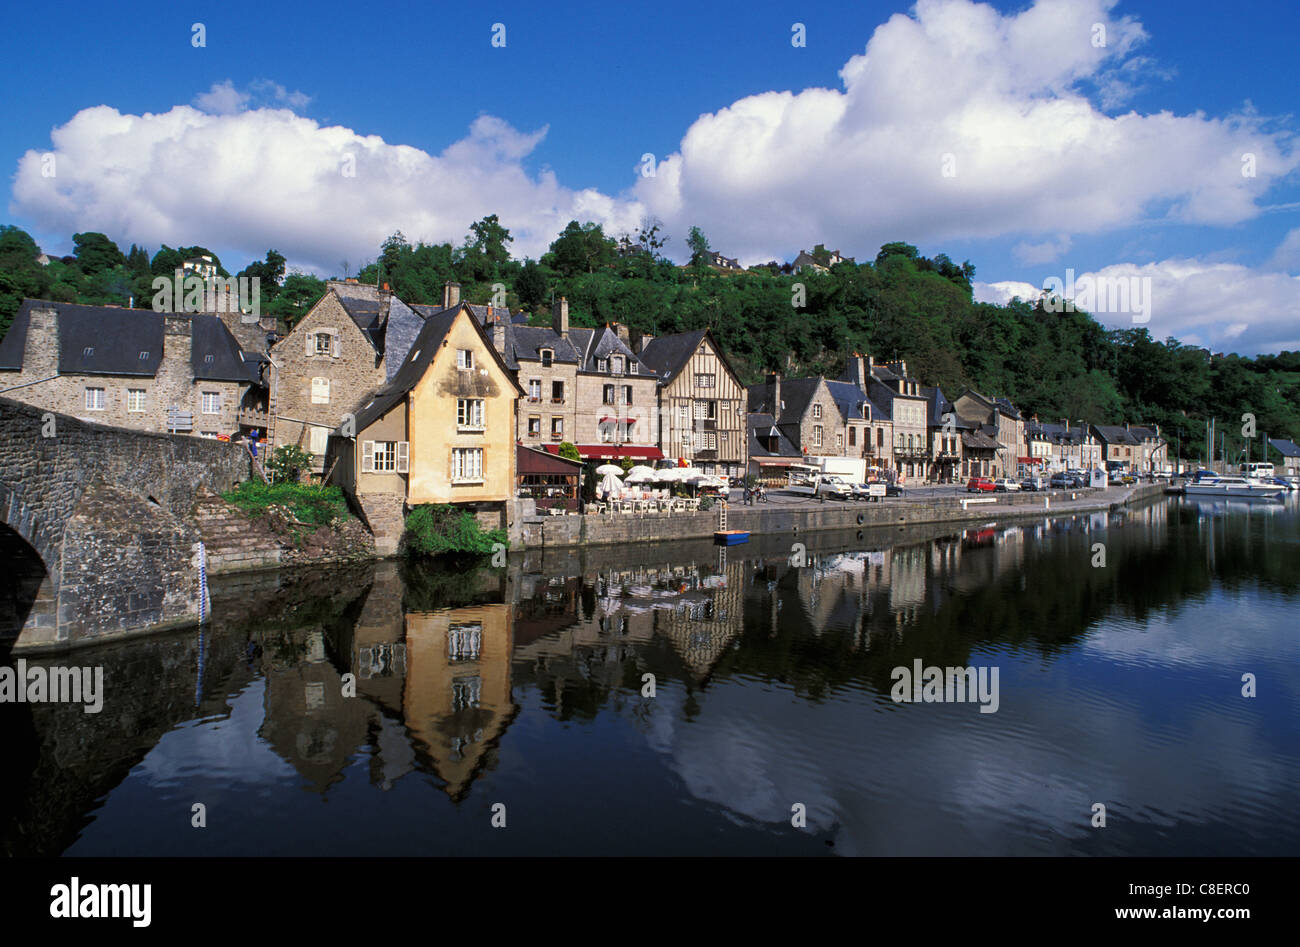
column 609, row 470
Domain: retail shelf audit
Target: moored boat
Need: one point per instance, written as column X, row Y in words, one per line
column 730, row 537
column 1241, row 487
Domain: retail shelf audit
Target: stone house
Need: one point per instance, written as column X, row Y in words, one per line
column 701, row 403
column 876, row 441
column 999, row 420
column 584, row 386
column 1289, row 465
column 889, row 386
column 441, row 431
column 1118, row 446
column 1153, row 450
column 805, row 411
column 131, row 368
column 945, row 428
column 348, row 345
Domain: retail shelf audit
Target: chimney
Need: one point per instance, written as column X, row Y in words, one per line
column 774, row 395
column 499, row 336
column 386, row 289
column 177, row 344
column 41, row 350
column 560, row 316
column 450, row 294
column 859, row 372
column 622, row 332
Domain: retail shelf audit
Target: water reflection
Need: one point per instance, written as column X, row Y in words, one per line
column 772, row 669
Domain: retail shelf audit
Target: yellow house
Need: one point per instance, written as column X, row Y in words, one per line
column 442, row 431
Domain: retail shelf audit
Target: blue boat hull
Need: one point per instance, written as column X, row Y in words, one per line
column 733, row 537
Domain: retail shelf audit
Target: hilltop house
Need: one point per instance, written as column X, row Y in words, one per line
column 132, row 368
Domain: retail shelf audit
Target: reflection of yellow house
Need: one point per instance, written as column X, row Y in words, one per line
column 442, row 431
column 458, row 697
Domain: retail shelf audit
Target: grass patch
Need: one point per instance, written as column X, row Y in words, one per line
column 309, row 503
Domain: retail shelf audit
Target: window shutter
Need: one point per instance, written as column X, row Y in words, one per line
column 403, row 456
column 367, row 456
column 311, row 343
column 334, row 345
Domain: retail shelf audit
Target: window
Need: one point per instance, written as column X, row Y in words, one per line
column 385, row 456
column 839, row 442
column 686, row 439
column 617, row 365
column 817, row 412
column 144, row 356
column 627, row 394
column 320, row 391
column 464, row 641
column 210, row 402
column 708, row 441
column 631, row 367
column 548, row 356
column 706, row 410
column 817, row 435
column 704, row 380
column 602, row 365
column 466, row 464
column 469, row 413
column 557, row 392
column 135, row 399
column 684, row 414
column 322, row 343
column 320, row 437
column 853, row 437
column 557, row 428
column 95, row 399
column 464, row 358
column 534, row 426
column 534, row 390
column 607, row 396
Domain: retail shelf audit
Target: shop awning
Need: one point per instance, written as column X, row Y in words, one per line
column 534, row 462
column 618, row 420
column 611, row 451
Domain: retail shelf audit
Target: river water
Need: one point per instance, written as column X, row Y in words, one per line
column 404, row 709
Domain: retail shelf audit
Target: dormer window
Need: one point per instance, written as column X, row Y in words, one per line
column 631, row 368
column 548, row 356
column 206, row 358
column 616, row 365
column 88, row 351
column 144, row 356
column 602, row 365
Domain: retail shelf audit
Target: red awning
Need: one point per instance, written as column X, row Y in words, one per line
column 618, row 420
column 611, row 451
column 532, row 461
column 1031, row 460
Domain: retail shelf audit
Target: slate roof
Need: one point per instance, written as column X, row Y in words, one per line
column 1056, row 433
column 110, row 340
column 1284, row 447
column 796, row 393
column 1008, row 408
column 666, row 355
column 850, row 399
column 412, row 369
column 978, row 440
column 762, row 424
column 367, row 305
column 1144, row 433
column 1115, row 434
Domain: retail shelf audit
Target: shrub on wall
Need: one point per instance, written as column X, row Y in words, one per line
column 287, row 464
column 441, row 528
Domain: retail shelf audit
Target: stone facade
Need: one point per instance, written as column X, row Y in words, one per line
column 321, row 371
column 137, row 402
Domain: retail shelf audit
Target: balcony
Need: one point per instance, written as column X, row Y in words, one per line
column 534, row 399
column 557, row 401
column 706, row 424
column 557, row 436
column 911, row 453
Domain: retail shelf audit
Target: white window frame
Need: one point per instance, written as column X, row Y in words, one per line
column 467, row 464
column 817, row 412
column 203, row 402
column 534, row 390
column 465, row 359
column 470, row 414
column 98, row 403
column 534, row 430
column 135, row 400
column 371, row 451
column 320, row 390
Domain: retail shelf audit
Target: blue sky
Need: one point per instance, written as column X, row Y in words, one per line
column 1066, row 155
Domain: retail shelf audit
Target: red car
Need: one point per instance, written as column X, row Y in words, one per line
column 980, row 485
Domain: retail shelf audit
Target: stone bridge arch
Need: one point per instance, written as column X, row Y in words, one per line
column 109, row 511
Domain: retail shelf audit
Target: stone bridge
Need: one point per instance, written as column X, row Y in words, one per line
column 108, row 540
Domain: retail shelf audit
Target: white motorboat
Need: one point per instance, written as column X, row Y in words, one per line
column 1239, row 487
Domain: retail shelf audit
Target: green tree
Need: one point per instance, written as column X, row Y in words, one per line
column 96, row 253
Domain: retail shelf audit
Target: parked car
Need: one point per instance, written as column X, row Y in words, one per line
column 1006, row 485
column 893, row 490
column 1060, row 481
column 1030, row 485
column 980, row 485
column 836, row 487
